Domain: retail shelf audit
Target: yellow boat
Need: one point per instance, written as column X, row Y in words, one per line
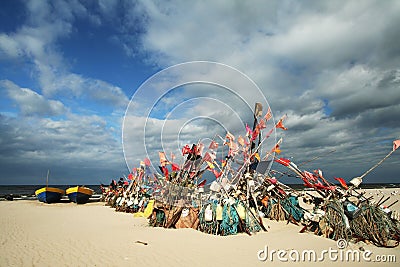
column 79, row 194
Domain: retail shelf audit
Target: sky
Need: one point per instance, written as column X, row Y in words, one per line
column 90, row 88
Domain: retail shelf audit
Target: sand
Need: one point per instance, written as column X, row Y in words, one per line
column 66, row 234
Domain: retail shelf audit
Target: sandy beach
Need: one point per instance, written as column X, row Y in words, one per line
column 66, row 234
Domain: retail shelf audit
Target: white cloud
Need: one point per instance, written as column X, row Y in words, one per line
column 331, row 66
column 71, row 148
column 30, row 103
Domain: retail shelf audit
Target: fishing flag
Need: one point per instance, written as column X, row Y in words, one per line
column 255, row 134
column 199, row 149
column 230, row 136
column 261, row 124
column 175, row 167
column 310, row 176
column 279, row 124
column 258, row 110
column 209, row 157
column 146, row 162
column 277, row 148
column 186, row 150
column 210, row 165
column 213, row 145
column 249, row 132
column 268, row 115
column 233, row 149
column 396, row 144
column 164, row 170
column 163, row 158
column 173, row 157
column 342, row 182
column 283, row 161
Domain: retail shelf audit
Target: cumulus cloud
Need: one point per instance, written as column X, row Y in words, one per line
column 76, row 145
column 30, row 103
column 329, row 66
column 36, row 41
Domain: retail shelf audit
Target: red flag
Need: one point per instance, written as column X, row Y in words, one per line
column 261, row 124
column 283, row 161
column 213, row 145
column 165, row 171
column 130, row 177
column 186, row 150
column 249, row 132
column 342, row 182
column 396, row 144
column 255, row 134
column 163, row 158
column 280, row 123
column 306, row 182
column 310, row 176
column 175, row 167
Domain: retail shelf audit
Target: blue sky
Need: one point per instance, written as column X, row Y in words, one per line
column 69, row 68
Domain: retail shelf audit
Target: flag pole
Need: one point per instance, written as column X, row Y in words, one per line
column 376, row 165
column 47, row 178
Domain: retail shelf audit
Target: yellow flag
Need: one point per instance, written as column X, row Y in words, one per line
column 210, row 165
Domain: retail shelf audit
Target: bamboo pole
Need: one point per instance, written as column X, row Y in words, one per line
column 376, row 165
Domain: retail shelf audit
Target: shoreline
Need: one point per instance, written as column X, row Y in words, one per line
column 66, row 234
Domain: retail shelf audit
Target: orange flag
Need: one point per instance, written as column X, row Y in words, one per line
column 396, row 144
column 163, row 159
column 277, row 148
column 268, row 116
column 280, row 123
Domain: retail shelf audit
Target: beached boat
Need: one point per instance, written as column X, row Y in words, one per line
column 79, row 194
column 49, row 194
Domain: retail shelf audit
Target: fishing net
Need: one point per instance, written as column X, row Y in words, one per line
column 335, row 224
column 375, row 225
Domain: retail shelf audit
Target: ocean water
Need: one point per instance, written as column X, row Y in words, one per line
column 29, row 190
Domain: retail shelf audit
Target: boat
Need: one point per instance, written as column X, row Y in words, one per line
column 79, row 194
column 49, row 194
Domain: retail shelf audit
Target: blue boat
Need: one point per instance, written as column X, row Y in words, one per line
column 49, row 194
column 79, row 194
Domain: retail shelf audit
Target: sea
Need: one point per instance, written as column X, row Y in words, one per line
column 29, row 190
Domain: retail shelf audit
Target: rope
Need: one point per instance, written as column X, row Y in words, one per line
column 337, row 220
column 375, row 225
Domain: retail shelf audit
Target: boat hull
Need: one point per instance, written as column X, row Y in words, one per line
column 49, row 194
column 79, row 194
